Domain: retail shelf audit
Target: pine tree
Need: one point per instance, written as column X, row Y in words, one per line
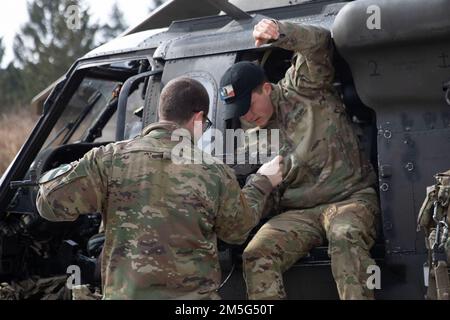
column 12, row 88
column 116, row 24
column 11, row 84
column 2, row 50
column 50, row 42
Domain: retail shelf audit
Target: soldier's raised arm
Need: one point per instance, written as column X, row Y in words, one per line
column 74, row 189
column 312, row 65
column 240, row 210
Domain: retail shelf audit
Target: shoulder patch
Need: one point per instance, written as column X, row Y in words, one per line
column 55, row 173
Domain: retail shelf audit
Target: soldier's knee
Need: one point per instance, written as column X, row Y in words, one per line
column 257, row 250
column 345, row 234
column 252, row 252
column 257, row 261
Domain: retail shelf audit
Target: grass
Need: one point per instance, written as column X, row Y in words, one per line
column 14, row 130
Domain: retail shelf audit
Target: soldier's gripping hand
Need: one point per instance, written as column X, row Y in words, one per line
column 265, row 31
column 273, row 170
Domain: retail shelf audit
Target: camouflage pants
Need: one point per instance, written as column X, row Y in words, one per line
column 36, row 288
column 349, row 226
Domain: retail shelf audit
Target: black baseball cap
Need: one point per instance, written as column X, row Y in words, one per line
column 236, row 87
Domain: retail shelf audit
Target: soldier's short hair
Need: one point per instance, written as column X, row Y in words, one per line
column 181, row 98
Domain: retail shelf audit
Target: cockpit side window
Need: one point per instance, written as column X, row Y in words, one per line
column 86, row 118
column 90, row 98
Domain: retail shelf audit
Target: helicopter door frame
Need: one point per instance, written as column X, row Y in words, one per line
column 207, row 69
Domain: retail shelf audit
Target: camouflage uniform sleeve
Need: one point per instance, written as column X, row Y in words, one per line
column 312, row 65
column 241, row 210
column 64, row 194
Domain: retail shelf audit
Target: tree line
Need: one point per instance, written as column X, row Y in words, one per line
column 46, row 46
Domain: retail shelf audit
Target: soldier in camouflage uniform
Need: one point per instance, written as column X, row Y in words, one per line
column 162, row 218
column 327, row 192
column 434, row 219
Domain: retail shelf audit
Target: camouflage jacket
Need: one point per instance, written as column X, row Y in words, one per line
column 324, row 163
column 162, row 219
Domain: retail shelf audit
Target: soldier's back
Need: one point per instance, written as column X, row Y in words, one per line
column 160, row 240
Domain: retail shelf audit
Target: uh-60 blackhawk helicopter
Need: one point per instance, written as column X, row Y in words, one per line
column 392, row 68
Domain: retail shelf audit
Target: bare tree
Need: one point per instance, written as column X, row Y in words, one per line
column 155, row 4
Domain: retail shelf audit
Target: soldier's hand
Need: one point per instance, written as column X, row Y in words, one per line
column 273, row 170
column 265, row 31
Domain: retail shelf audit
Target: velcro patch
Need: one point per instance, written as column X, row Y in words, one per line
column 227, row 92
column 55, row 173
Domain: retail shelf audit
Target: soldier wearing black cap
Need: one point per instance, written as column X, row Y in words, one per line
column 327, row 191
column 243, row 78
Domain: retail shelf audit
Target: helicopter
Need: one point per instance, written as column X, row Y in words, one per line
column 392, row 62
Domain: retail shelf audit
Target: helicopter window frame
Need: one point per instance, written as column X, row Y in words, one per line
column 97, row 72
column 28, row 156
column 207, row 80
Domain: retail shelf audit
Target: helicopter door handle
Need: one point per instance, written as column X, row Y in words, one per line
column 32, row 182
column 447, row 92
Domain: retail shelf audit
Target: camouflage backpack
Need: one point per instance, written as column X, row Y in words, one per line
column 434, row 220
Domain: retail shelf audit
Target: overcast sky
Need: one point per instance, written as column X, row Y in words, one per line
column 14, row 13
